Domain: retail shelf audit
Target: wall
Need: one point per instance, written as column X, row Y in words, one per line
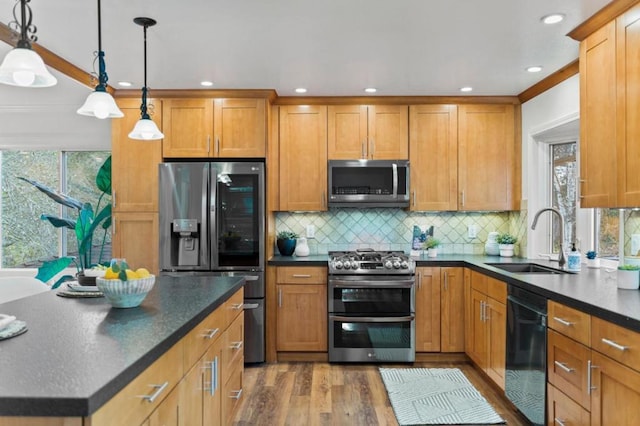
column 392, row 229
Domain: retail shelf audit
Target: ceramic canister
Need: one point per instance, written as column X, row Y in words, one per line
column 491, row 246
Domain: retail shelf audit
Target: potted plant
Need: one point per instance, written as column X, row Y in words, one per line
column 431, row 244
column 84, row 225
column 593, row 261
column 286, row 242
column 628, row 277
column 506, row 243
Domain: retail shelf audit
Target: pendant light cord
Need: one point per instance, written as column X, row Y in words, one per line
column 143, row 107
column 102, row 68
column 25, row 25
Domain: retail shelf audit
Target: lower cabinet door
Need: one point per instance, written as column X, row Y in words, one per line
column 562, row 410
column 191, row 395
column 212, row 402
column 167, row 413
column 615, row 393
column 232, row 392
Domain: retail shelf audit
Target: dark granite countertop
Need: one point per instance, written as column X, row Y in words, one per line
column 588, row 290
column 78, row 353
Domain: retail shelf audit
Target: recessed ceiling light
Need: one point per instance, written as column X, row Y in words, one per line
column 206, row 83
column 124, row 83
column 301, row 90
column 535, row 68
column 371, row 90
column 553, row 18
column 466, row 89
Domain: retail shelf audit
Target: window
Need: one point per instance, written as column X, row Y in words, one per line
column 26, row 239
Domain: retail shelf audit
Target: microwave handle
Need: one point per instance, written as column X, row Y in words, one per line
column 394, row 166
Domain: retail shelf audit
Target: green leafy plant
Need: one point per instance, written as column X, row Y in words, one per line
column 84, row 225
column 591, row 254
column 287, row 235
column 506, row 238
column 629, row 267
column 430, row 243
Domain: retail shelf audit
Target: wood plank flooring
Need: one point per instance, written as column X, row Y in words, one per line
column 305, row 393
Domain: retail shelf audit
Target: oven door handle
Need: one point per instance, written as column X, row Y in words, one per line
column 370, row 284
column 372, row 319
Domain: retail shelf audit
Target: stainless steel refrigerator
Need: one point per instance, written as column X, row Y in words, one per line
column 212, row 217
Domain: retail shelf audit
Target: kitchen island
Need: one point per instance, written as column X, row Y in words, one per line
column 79, row 353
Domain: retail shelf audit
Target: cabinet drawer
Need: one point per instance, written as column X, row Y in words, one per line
column 202, row 336
column 617, row 342
column 233, row 307
column 562, row 410
column 233, row 346
column 127, row 407
column 479, row 282
column 567, row 366
column 570, row 322
column 301, row 275
column 497, row 290
column 232, row 393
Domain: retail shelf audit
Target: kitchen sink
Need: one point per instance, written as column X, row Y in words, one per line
column 526, row 268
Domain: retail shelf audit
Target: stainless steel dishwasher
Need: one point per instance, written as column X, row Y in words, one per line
column 526, row 357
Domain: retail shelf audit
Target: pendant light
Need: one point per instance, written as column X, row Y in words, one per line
column 145, row 128
column 100, row 103
column 22, row 66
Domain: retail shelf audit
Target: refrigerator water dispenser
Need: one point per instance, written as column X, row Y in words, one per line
column 186, row 232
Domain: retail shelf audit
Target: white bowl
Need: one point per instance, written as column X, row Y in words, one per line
column 126, row 294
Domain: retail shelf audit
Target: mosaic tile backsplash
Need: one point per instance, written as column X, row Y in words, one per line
column 392, row 229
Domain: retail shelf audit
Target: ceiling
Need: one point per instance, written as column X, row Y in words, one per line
column 330, row 47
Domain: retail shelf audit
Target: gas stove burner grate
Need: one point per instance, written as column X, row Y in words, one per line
column 369, row 261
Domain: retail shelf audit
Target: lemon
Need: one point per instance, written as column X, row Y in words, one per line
column 142, row 273
column 110, row 274
column 132, row 275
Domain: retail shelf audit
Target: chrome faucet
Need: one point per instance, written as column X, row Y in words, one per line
column 561, row 257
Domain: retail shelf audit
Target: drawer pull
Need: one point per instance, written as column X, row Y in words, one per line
column 563, row 322
column 614, row 344
column 159, row 389
column 558, row 421
column 210, row 333
column 236, row 394
column 236, row 345
column 237, row 306
column 301, row 275
column 590, row 367
column 563, row 366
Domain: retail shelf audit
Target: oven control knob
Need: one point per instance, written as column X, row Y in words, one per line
column 338, row 264
column 404, row 264
column 347, row 264
column 388, row 264
column 354, row 264
column 396, row 264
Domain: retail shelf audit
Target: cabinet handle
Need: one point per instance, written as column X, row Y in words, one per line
column 558, row 421
column 208, row 144
column 159, row 389
column 237, row 306
column 324, row 200
column 462, row 199
column 113, row 227
column 279, row 298
column 563, row 321
column 373, row 147
column 364, row 148
column 213, row 385
column 413, row 193
column 564, row 367
column 236, row 345
column 113, row 198
column 236, row 394
column 482, row 310
column 581, row 181
column 446, row 281
column 210, row 333
column 419, row 280
column 614, row 344
column 217, row 145
column 590, row 367
column 301, row 275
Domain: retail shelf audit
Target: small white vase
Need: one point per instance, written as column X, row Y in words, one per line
column 302, row 248
column 593, row 263
column 628, row 280
column 506, row 250
column 432, row 252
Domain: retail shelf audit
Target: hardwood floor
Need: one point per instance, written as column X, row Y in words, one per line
column 304, row 393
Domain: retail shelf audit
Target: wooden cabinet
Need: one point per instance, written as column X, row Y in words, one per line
column 221, row 128
column 301, row 318
column 135, row 238
column 167, row 413
column 486, row 157
column 486, row 312
column 374, row 132
column 562, row 410
column 134, row 164
column 303, row 158
column 439, row 310
column 433, row 155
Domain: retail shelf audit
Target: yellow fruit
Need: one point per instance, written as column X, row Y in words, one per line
column 132, row 275
column 110, row 275
column 142, row 272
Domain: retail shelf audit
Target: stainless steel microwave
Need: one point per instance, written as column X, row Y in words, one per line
column 368, row 183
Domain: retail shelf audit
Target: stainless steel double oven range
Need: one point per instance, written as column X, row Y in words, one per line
column 371, row 304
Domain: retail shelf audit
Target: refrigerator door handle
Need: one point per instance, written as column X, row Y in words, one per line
column 250, row 306
column 251, row 277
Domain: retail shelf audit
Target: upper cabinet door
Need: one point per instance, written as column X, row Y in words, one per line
column 347, row 132
column 486, row 157
column 240, row 128
column 188, row 128
column 303, row 158
column 388, row 132
column 628, row 108
column 598, row 118
column 134, row 163
column 433, row 154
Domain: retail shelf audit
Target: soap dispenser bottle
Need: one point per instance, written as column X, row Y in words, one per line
column 574, row 259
